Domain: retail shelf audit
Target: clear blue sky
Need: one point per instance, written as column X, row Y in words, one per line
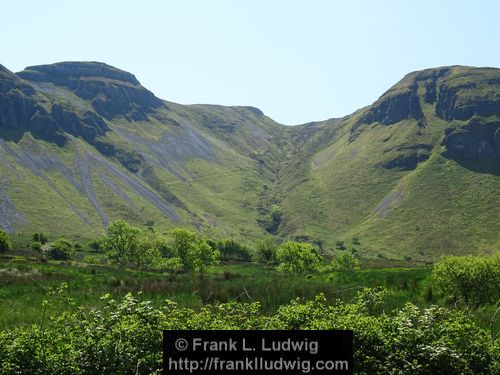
column 298, row 61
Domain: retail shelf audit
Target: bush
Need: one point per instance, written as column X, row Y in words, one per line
column 5, row 243
column 473, row 280
column 95, row 245
column 125, row 337
column 58, row 250
column 173, row 265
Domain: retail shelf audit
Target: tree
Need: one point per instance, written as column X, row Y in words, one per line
column 233, row 250
column 95, row 245
column 120, row 240
column 40, row 237
column 193, row 251
column 147, row 254
column 204, row 256
column 295, row 257
column 266, row 252
column 129, row 245
column 5, row 243
column 340, row 245
column 345, row 261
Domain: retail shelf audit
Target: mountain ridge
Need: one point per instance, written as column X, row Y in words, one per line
column 95, row 146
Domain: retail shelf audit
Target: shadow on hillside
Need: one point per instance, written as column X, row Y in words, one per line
column 489, row 165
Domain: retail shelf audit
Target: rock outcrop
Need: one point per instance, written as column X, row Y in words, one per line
column 111, row 91
column 474, row 141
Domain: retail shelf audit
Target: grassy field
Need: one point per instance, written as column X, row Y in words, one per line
column 25, row 283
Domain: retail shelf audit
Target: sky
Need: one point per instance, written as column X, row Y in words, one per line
column 298, row 61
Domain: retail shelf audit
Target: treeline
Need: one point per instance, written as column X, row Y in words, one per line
column 125, row 337
column 184, row 250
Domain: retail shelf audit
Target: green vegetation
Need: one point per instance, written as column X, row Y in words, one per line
column 5, row 243
column 297, row 258
column 128, row 245
column 287, row 220
column 58, row 250
column 345, row 261
column 409, row 340
column 471, row 280
column 49, row 327
column 193, row 251
column 354, row 183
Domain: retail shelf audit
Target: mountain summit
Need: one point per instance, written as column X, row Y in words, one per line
column 414, row 174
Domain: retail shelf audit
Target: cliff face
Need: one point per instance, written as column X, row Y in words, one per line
column 112, row 92
column 470, row 96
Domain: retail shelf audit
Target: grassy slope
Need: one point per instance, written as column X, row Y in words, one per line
column 220, row 169
column 440, row 207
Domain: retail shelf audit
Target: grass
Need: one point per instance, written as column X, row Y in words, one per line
column 24, row 284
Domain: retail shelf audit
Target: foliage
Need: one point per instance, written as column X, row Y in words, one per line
column 193, row 251
column 345, row 261
column 340, row 245
column 5, row 243
column 295, row 257
column 233, row 250
column 58, row 250
column 125, row 336
column 473, row 280
column 129, row 245
column 272, row 220
column 173, row 265
column 266, row 252
column 95, row 245
column 40, row 237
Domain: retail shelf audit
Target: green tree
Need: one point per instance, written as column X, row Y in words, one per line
column 129, row 245
column 5, row 243
column 95, row 245
column 120, row 240
column 295, row 257
column 345, row 261
column 233, row 250
column 193, row 251
column 147, row 253
column 40, row 237
column 266, row 252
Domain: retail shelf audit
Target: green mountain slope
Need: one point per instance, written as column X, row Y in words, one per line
column 416, row 173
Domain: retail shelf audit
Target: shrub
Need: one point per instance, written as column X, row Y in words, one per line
column 58, row 250
column 5, row 243
column 125, row 337
column 473, row 280
column 129, row 245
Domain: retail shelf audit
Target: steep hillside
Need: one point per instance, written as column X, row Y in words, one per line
column 416, row 173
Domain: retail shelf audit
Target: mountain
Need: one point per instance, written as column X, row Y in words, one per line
column 417, row 173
